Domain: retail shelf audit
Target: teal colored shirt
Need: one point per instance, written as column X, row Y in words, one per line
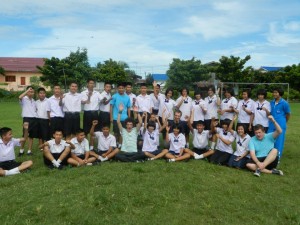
column 118, row 99
column 262, row 147
column 129, row 143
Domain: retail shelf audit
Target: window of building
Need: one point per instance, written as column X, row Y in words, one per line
column 10, row 78
column 23, row 81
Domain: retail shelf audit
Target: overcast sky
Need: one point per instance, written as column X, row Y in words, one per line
column 148, row 34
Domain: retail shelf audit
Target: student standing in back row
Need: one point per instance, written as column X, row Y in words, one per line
column 56, row 113
column 43, row 107
column 104, row 115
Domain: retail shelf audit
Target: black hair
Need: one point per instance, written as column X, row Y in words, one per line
column 121, row 84
column 56, row 85
column 128, row 84
column 197, row 93
column 212, row 88
column 248, row 92
column 4, row 131
column 41, row 89
column 107, row 83
column 143, row 85
column 151, row 124
column 106, row 125
column 73, row 82
column 168, row 90
column 90, row 79
column 261, row 92
column 58, row 130
column 226, row 122
column 29, row 87
column 79, row 131
column 243, row 126
column 129, row 120
column 230, row 91
column 158, row 85
column 200, row 122
column 279, row 90
column 184, row 88
column 176, row 126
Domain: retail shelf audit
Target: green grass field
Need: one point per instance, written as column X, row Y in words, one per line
column 193, row 192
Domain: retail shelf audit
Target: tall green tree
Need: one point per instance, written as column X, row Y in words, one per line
column 75, row 67
column 291, row 74
column 2, row 71
column 232, row 69
column 186, row 73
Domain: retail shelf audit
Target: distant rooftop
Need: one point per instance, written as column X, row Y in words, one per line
column 160, row 77
column 15, row 64
column 271, row 68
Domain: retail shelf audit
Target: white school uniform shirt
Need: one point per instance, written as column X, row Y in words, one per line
column 7, row 151
column 43, row 107
column 155, row 100
column 260, row 116
column 103, row 107
column 167, row 104
column 131, row 96
column 144, row 103
column 57, row 148
column 80, row 148
column 104, row 143
column 176, row 143
column 28, row 107
column 151, row 141
column 185, row 107
column 55, row 109
column 226, row 104
column 243, row 117
column 212, row 107
column 198, row 112
column 241, row 144
column 200, row 141
column 94, row 101
column 72, row 102
column 221, row 146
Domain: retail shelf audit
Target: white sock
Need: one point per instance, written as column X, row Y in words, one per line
column 152, row 158
column 21, row 150
column 187, row 145
column 104, row 159
column 172, row 160
column 29, row 151
column 91, row 147
column 196, row 156
column 59, row 161
column 213, row 144
column 55, row 163
column 119, row 146
column 12, row 171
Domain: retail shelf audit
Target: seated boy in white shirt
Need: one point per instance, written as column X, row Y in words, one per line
column 176, row 152
column 56, row 151
column 80, row 151
column 107, row 145
column 8, row 165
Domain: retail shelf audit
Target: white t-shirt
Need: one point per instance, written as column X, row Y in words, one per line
column 176, row 143
column 244, row 117
column 227, row 104
column 55, row 108
column 260, row 115
column 144, row 103
column 94, row 100
column 198, row 112
column 7, row 152
column 221, row 146
column 57, row 148
column 72, row 102
column 151, row 141
column 28, row 107
column 167, row 104
column 103, row 107
column 80, row 148
column 200, row 141
column 241, row 144
column 104, row 143
column 212, row 107
column 43, row 107
column 132, row 97
column 155, row 100
column 185, row 107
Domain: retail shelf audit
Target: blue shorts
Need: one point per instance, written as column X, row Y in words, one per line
column 173, row 152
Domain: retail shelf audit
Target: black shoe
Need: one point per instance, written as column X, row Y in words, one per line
column 97, row 162
column 60, row 167
column 21, row 154
column 29, row 153
column 51, row 167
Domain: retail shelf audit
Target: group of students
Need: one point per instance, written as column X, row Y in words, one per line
column 138, row 122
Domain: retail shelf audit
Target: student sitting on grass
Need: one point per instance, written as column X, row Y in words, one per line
column 8, row 165
column 151, row 140
column 80, row 151
column 239, row 158
column 129, row 152
column 200, row 139
column 56, row 151
column 224, row 145
column 107, row 145
column 264, row 157
column 176, row 152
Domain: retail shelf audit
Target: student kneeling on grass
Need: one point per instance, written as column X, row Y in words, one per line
column 264, row 157
column 224, row 145
column 200, row 139
column 56, row 151
column 129, row 152
column 177, row 145
column 8, row 165
column 239, row 158
column 107, row 145
column 80, row 151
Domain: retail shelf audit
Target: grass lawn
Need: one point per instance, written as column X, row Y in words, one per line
column 193, row 192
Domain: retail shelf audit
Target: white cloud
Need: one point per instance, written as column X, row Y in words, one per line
column 283, row 35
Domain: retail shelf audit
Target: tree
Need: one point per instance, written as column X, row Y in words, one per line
column 75, row 67
column 2, row 71
column 232, row 69
column 291, row 74
column 186, row 73
column 149, row 79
